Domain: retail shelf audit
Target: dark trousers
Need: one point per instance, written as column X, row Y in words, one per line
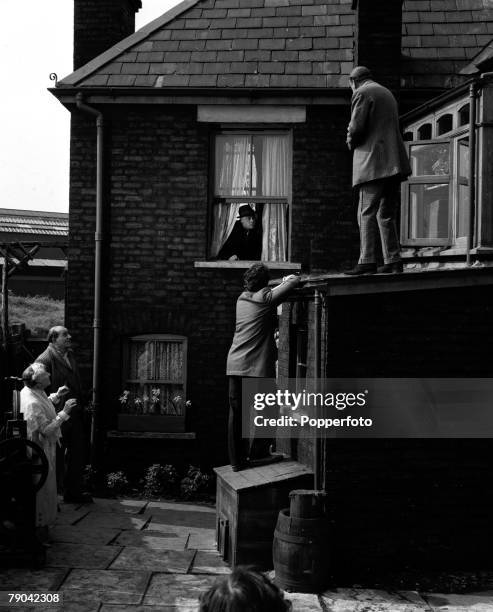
column 71, row 457
column 377, row 211
column 240, row 448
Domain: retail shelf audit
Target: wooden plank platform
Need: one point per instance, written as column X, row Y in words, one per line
column 262, row 476
column 335, row 284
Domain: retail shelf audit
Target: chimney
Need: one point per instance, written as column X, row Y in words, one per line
column 100, row 24
column 378, row 39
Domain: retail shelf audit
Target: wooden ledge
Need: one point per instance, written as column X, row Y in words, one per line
column 222, row 264
column 147, row 435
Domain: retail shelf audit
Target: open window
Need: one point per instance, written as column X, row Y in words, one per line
column 251, row 169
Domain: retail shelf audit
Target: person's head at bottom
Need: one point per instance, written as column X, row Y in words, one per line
column 244, row 590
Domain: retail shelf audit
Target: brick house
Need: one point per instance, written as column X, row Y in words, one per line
column 215, row 104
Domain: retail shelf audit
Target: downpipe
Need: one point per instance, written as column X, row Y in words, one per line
column 98, row 273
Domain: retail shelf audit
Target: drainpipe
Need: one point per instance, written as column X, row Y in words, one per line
column 472, row 171
column 317, row 360
column 98, row 273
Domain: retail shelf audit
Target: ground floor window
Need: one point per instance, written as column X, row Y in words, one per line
column 252, row 180
column 155, row 368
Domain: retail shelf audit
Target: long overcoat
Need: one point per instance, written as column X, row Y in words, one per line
column 374, row 135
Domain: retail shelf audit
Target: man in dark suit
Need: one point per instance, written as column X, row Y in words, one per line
column 245, row 240
column 59, row 361
column 380, row 164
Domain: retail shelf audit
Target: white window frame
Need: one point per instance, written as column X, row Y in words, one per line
column 453, row 136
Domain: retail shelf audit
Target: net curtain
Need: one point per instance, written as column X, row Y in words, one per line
column 233, row 169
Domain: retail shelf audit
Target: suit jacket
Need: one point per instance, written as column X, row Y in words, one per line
column 243, row 244
column 374, row 135
column 61, row 373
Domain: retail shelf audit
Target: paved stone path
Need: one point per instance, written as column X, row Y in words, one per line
column 138, row 556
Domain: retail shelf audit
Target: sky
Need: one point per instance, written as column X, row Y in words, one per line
column 36, row 38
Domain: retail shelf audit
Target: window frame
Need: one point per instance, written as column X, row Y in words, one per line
column 426, row 179
column 270, row 200
column 156, row 338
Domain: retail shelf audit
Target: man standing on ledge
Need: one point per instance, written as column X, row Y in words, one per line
column 60, row 363
column 380, row 164
column 253, row 355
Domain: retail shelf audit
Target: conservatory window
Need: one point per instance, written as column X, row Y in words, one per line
column 424, row 132
column 445, row 124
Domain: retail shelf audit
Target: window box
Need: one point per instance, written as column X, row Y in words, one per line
column 151, row 422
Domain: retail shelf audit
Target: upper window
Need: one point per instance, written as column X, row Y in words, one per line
column 252, row 183
column 464, row 115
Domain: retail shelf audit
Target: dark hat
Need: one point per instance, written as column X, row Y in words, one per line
column 359, row 73
column 246, row 211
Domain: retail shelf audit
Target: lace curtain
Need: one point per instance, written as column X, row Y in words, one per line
column 232, row 179
column 275, row 156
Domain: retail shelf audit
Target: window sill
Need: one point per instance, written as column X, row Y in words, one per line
column 243, row 265
column 438, row 252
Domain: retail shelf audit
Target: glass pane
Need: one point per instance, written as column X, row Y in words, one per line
column 156, row 360
column 464, row 115
column 464, row 158
column 430, row 159
column 462, row 210
column 271, row 154
column 428, row 211
column 444, row 124
column 424, row 132
column 408, row 136
column 233, row 165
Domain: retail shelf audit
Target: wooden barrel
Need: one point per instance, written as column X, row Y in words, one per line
column 300, row 553
column 307, row 503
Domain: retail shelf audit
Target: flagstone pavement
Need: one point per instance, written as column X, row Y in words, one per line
column 139, row 556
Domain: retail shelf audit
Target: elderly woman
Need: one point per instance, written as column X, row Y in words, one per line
column 43, row 428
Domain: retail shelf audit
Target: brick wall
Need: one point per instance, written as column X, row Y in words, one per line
column 378, row 40
column 324, row 219
column 100, row 24
column 157, row 161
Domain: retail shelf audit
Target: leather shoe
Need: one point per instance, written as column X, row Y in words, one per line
column 360, row 269
column 243, row 465
column 391, row 268
column 271, row 458
column 82, row 498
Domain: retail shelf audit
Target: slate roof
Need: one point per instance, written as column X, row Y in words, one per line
column 284, row 43
column 33, row 222
column 440, row 37
column 482, row 62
